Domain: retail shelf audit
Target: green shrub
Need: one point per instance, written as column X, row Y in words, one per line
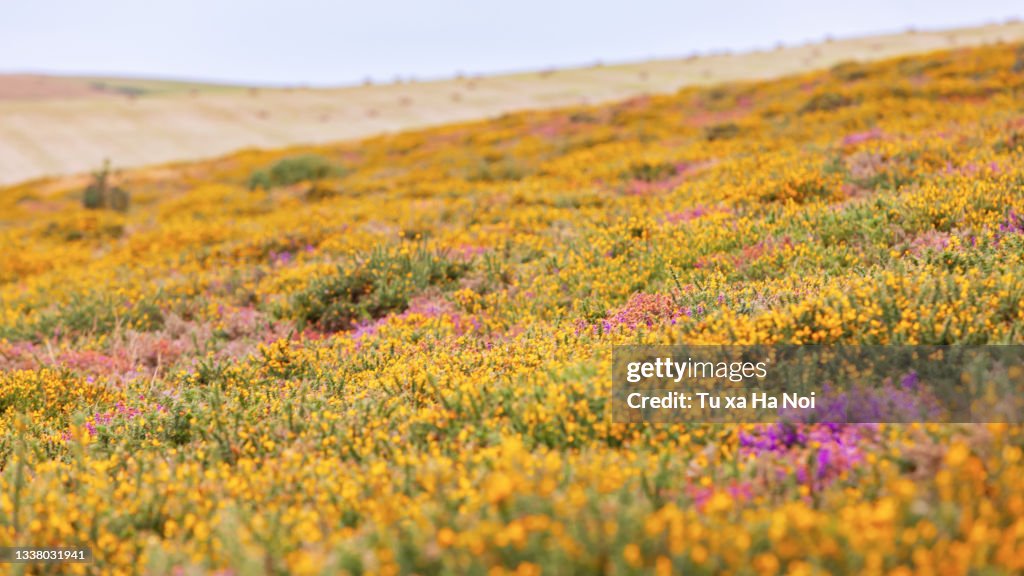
column 1010, row 143
column 288, row 171
column 88, row 314
column 849, row 71
column 260, row 179
column 101, row 195
column 381, row 284
column 826, row 102
column 318, row 192
column 500, row 170
column 721, row 131
column 651, row 171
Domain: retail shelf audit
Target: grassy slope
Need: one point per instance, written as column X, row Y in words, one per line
column 173, row 392
column 170, row 122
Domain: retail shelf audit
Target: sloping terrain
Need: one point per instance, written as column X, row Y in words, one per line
column 57, row 126
column 393, row 355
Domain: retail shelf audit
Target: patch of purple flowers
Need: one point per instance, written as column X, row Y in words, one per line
column 281, row 258
column 816, row 453
column 1013, row 224
column 906, row 402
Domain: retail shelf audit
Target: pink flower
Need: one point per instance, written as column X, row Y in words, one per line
column 859, row 137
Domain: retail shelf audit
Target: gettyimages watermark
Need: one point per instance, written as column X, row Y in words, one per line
column 827, row 384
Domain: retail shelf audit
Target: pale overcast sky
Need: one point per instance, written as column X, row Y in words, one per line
column 320, row 42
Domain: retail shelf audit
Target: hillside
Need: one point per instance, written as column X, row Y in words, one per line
column 393, row 355
column 58, row 126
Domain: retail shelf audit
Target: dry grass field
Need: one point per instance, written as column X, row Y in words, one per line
column 56, row 126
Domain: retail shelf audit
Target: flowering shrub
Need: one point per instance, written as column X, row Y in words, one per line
column 373, row 288
column 293, row 170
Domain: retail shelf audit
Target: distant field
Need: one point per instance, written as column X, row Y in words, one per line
column 58, row 125
column 41, row 87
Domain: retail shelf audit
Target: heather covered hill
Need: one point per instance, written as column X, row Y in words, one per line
column 393, row 355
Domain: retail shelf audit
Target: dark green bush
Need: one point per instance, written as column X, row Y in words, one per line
column 101, row 195
column 651, row 171
column 288, row 171
column 381, row 284
column 86, row 315
column 260, row 179
column 826, row 102
column 318, row 192
column 500, row 170
column 721, row 131
column 1010, row 143
column 849, row 71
